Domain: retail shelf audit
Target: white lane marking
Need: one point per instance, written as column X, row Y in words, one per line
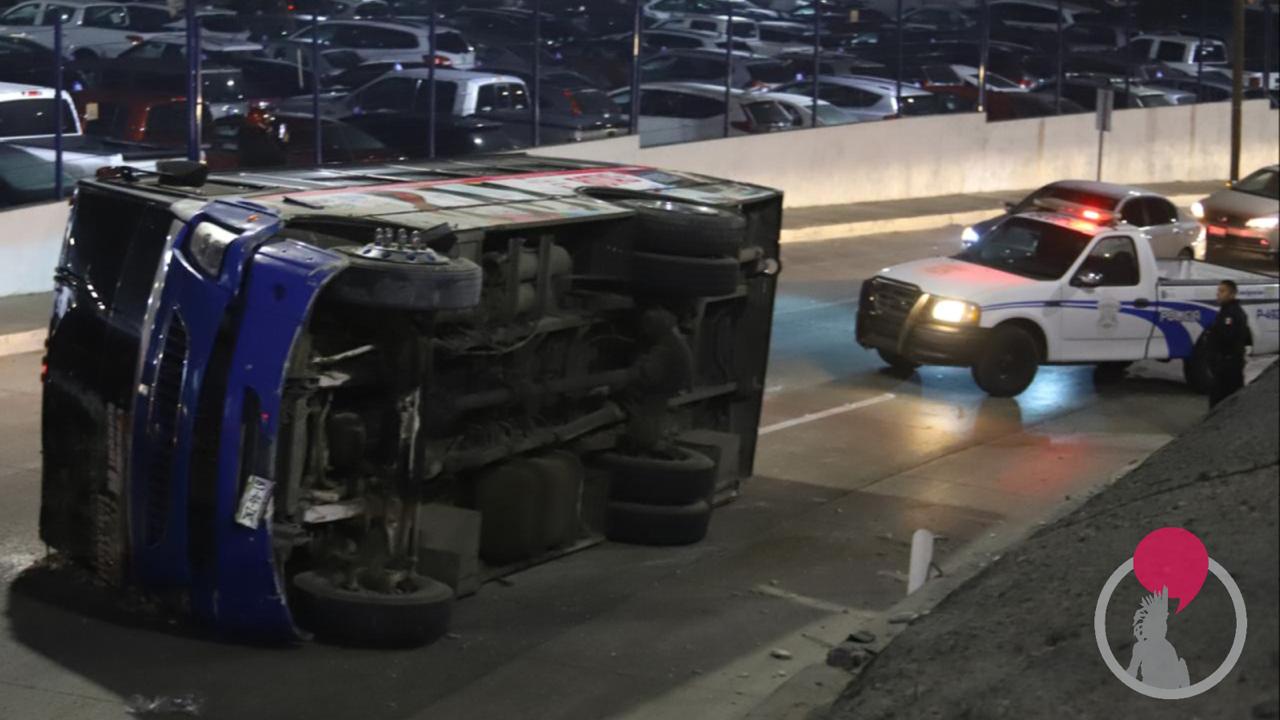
column 805, row 600
column 816, row 306
column 847, row 407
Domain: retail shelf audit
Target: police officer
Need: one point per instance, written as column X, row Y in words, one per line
column 1228, row 337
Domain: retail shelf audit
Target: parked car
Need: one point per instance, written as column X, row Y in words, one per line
column 221, row 25
column 267, row 139
column 995, row 81
column 661, row 10
column 268, row 81
column 766, row 37
column 511, row 27
column 1021, row 106
column 940, row 18
column 1242, row 221
column 778, row 37
column 307, row 10
column 171, row 48
column 572, row 109
column 141, row 116
column 158, row 66
column 367, row 72
column 1040, row 14
column 30, row 111
column 1083, row 90
column 1048, row 288
column 25, row 177
column 1122, row 65
column 801, row 109
column 395, row 109
column 220, row 402
column 681, row 112
column 1206, row 89
column 830, row 62
column 869, row 98
column 606, row 61
column 380, row 41
column 26, row 61
column 91, row 29
column 744, row 29
column 837, row 15
column 29, row 117
column 150, row 17
column 1094, row 37
column 660, row 40
column 1023, row 65
column 1172, row 235
column 1188, row 53
column 749, row 71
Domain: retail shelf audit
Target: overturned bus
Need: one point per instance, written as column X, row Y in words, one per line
column 329, row 402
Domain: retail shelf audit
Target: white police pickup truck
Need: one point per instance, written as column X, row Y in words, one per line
column 1049, row 288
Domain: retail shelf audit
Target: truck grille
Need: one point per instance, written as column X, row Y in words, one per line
column 166, row 397
column 883, row 309
column 889, row 302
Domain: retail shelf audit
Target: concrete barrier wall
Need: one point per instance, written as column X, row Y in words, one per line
column 951, row 154
column 30, row 240
column 920, row 157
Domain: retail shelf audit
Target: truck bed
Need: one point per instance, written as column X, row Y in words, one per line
column 1194, row 272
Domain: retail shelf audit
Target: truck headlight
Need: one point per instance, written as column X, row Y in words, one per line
column 1264, row 223
column 955, row 311
column 207, row 245
column 969, row 236
column 1197, row 210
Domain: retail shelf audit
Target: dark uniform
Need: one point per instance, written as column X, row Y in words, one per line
column 1228, row 337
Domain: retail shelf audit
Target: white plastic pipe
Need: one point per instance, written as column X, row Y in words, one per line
column 921, row 559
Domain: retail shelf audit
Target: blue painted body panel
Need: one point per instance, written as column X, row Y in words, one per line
column 266, row 287
column 244, row 594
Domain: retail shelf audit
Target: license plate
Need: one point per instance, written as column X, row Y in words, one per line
column 254, row 501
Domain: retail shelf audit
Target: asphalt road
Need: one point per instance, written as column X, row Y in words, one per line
column 851, row 461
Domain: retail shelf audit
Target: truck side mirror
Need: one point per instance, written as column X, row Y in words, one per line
column 1087, row 278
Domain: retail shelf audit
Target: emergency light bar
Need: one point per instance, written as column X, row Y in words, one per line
column 1095, row 215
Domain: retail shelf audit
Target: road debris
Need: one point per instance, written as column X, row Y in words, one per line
column 780, row 654
column 848, row 655
column 862, row 636
column 145, row 705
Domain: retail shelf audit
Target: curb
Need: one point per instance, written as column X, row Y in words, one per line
column 20, row 343
column 818, row 233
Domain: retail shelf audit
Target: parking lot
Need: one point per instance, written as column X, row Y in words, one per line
column 852, row 460
column 325, row 81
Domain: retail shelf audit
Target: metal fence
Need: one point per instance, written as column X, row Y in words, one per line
column 262, row 83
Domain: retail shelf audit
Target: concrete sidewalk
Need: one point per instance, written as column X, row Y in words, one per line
column 24, row 321
column 1018, row 641
column 836, row 221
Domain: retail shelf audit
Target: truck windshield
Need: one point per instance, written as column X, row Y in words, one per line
column 1026, row 247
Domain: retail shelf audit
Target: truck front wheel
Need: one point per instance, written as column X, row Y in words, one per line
column 897, row 363
column 1008, row 363
column 415, row 613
